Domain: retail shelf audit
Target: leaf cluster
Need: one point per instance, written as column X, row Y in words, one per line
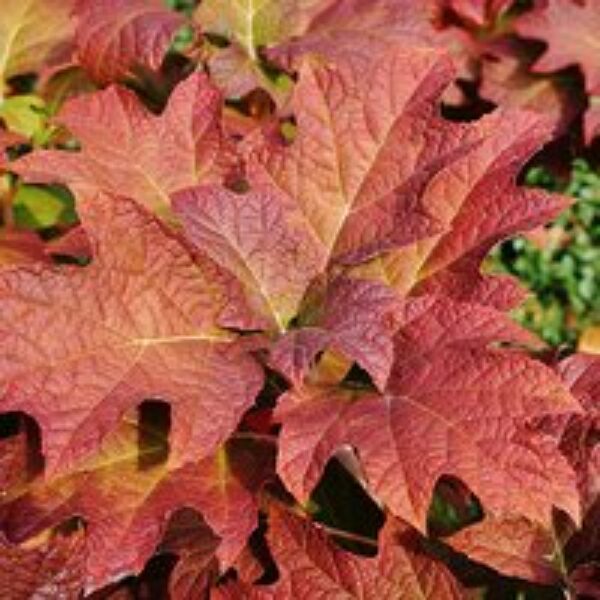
column 250, row 348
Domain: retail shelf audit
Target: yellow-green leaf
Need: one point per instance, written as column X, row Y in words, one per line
column 25, row 115
column 33, row 33
column 39, row 207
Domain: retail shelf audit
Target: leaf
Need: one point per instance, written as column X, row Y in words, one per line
column 582, row 545
column 142, row 321
column 311, row 565
column 232, row 590
column 507, row 80
column 262, row 239
column 579, row 444
column 24, row 115
column 14, row 461
column 50, row 565
column 64, row 81
column 357, row 28
column 156, row 155
column 513, row 546
column 20, row 247
column 248, row 25
column 237, row 75
column 356, row 319
column 570, row 28
column 309, row 274
column 33, row 33
column 264, row 33
column 568, row 46
column 115, row 37
column 193, row 541
column 253, row 24
column 74, row 243
column 350, row 168
column 36, row 207
column 455, row 408
column 127, row 507
column 477, row 202
column 581, row 373
column 579, row 434
column 431, row 323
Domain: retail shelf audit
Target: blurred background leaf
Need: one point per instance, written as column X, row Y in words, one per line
column 43, row 207
column 560, row 263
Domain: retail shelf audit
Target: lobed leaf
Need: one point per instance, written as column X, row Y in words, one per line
column 478, row 12
column 311, row 565
column 477, row 202
column 114, row 37
column 155, row 156
column 127, row 506
column 362, row 151
column 569, row 27
column 453, row 408
column 142, row 321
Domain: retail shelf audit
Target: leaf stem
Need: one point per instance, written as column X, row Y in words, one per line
column 347, row 535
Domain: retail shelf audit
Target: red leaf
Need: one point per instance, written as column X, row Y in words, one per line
column 356, row 27
column 74, row 242
column 582, row 546
column 262, row 239
column 192, row 540
column 570, row 29
column 579, row 434
column 581, row 373
column 464, row 281
column 584, row 581
column 311, row 565
column 142, row 321
column 349, row 169
column 155, row 155
column 48, row 567
column 20, row 247
column 235, row 73
column 507, row 80
column 127, row 507
column 455, row 408
column 249, row 27
column 514, row 547
column 13, row 461
column 477, row 201
column 357, row 319
column 431, row 323
column 115, row 36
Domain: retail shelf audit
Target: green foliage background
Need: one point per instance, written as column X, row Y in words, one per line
column 563, row 268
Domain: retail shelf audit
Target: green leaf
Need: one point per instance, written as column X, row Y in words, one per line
column 25, row 115
column 40, row 207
